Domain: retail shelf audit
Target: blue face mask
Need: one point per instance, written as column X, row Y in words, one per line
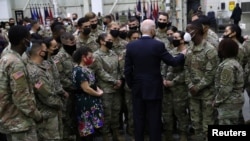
column 28, row 47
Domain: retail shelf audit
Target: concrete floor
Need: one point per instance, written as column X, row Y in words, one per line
column 246, row 115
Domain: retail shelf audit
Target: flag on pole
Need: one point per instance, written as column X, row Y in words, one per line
column 151, row 10
column 156, row 10
column 138, row 7
column 40, row 16
column 46, row 13
column 50, row 13
column 144, row 10
column 32, row 14
column 35, row 14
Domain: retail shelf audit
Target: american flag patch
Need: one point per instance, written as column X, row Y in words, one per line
column 17, row 75
column 38, row 84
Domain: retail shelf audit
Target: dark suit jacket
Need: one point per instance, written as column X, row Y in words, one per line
column 142, row 67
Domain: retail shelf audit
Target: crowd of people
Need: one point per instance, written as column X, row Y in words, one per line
column 76, row 79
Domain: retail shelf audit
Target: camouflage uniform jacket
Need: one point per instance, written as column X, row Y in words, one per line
column 242, row 56
column 106, row 69
column 48, row 102
column 90, row 42
column 65, row 65
column 177, row 76
column 229, row 82
column 17, row 101
column 200, row 66
column 212, row 38
column 56, row 76
column 119, row 45
column 95, row 33
column 246, row 46
column 161, row 35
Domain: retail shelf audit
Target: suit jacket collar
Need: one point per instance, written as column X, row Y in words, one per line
column 146, row 37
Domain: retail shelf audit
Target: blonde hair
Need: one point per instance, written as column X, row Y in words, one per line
column 113, row 23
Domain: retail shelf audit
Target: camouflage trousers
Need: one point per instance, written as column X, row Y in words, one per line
column 29, row 135
column 51, row 128
column 128, row 99
column 172, row 108
column 111, row 106
column 229, row 114
column 69, row 118
column 202, row 114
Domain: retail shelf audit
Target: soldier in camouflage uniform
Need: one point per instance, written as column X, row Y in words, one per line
column 18, row 112
column 200, row 66
column 95, row 28
column 118, row 44
column 161, row 35
column 234, row 32
column 84, row 38
column 64, row 64
column 161, row 31
column 53, row 49
column 106, row 70
column 246, row 45
column 209, row 35
column 229, row 84
column 133, row 24
column 48, row 102
column 176, row 94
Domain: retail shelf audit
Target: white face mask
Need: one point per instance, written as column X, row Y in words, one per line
column 65, row 23
column 187, row 37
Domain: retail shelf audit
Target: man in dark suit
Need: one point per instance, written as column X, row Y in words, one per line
column 142, row 74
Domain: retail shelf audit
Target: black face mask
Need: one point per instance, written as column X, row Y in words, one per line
column 45, row 57
column 109, row 45
column 123, row 35
column 74, row 19
column 55, row 51
column 93, row 26
column 226, row 36
column 170, row 39
column 162, row 25
column 133, row 28
column 69, row 49
column 176, row 43
column 114, row 33
column 86, row 31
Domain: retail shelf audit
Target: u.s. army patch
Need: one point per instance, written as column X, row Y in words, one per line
column 226, row 76
column 17, row 75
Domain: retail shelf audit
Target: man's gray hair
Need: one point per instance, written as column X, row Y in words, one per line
column 147, row 25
